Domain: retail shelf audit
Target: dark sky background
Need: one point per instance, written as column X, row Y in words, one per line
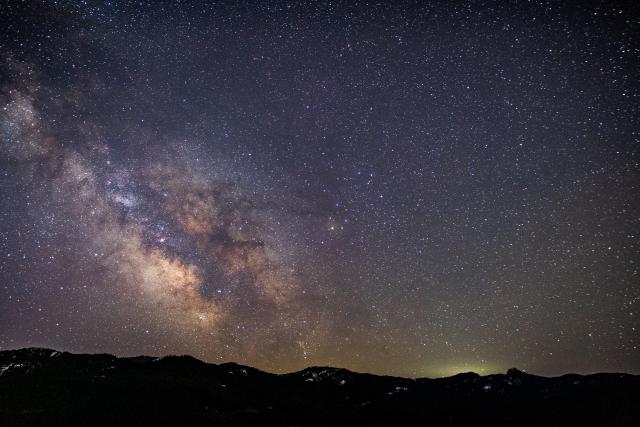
column 404, row 188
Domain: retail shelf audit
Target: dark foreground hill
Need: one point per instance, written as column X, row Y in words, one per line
column 46, row 387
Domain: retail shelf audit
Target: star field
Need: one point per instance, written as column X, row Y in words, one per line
column 408, row 188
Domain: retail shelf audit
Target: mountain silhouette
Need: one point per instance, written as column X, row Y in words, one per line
column 47, row 387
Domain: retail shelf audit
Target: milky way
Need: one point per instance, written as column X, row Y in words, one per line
column 169, row 242
column 415, row 189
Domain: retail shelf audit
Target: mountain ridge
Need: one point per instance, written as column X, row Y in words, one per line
column 41, row 386
column 510, row 371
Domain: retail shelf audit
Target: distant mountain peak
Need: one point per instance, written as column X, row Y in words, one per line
column 515, row 372
column 322, row 373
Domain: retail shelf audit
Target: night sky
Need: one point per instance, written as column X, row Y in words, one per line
column 404, row 188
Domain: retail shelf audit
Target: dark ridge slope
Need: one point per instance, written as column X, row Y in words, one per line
column 47, row 387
